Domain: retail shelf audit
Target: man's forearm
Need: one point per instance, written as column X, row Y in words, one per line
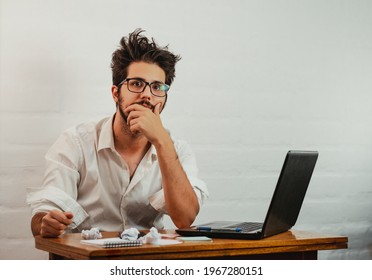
column 180, row 199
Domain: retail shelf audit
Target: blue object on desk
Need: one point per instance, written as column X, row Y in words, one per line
column 219, row 229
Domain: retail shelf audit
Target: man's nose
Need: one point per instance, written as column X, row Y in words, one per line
column 146, row 93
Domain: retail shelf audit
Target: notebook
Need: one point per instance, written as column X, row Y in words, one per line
column 114, row 242
column 284, row 207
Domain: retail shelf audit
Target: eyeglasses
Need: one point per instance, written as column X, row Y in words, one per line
column 137, row 85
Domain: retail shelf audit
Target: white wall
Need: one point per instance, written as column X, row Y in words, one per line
column 257, row 78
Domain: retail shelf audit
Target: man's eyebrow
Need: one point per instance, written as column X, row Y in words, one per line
column 142, row 79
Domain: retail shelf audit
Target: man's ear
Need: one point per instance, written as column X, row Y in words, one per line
column 115, row 93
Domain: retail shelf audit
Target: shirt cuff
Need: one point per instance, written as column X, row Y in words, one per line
column 200, row 189
column 50, row 198
column 157, row 201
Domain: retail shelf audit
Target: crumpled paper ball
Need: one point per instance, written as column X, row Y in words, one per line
column 92, row 233
column 130, row 234
column 153, row 237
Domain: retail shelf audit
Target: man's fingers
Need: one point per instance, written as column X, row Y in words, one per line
column 157, row 109
column 62, row 217
column 55, row 222
column 51, row 227
column 50, row 232
column 135, row 107
column 69, row 215
column 133, row 115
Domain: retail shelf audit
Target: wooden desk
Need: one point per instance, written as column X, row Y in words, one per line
column 287, row 245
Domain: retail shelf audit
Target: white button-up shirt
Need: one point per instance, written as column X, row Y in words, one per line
column 87, row 176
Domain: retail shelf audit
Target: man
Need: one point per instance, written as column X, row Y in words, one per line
column 124, row 171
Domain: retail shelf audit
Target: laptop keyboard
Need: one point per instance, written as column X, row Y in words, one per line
column 247, row 227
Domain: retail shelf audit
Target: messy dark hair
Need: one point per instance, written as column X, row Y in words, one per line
column 136, row 48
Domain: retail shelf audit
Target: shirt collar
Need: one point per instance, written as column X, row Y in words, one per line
column 106, row 137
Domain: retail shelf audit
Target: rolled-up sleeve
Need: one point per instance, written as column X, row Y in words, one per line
column 59, row 188
column 52, row 198
column 188, row 161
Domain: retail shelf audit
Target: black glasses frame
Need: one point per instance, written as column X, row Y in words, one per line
column 146, row 84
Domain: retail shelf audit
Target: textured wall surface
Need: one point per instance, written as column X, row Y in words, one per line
column 257, row 79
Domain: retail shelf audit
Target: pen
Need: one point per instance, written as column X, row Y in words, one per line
column 219, row 229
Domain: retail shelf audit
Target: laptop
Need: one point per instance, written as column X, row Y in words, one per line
column 284, row 207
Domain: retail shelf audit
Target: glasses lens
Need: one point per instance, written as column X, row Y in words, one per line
column 159, row 89
column 135, row 85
